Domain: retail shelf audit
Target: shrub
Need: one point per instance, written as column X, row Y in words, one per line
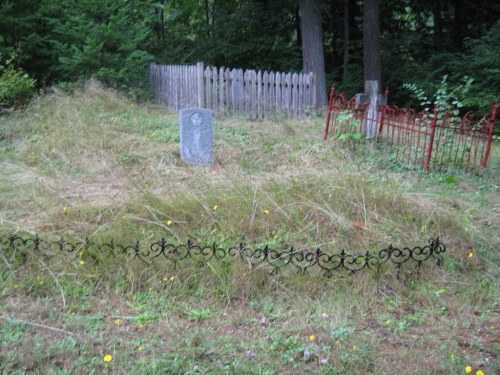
column 16, row 87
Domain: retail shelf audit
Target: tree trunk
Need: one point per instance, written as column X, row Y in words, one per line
column 371, row 42
column 347, row 39
column 438, row 22
column 459, row 23
column 313, row 54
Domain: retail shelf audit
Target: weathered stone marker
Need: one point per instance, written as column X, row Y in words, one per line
column 375, row 99
column 197, row 136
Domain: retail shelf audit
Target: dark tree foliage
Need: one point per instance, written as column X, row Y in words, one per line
column 113, row 40
column 240, row 34
column 24, row 30
column 75, row 40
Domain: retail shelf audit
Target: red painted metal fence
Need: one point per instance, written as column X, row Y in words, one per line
column 430, row 140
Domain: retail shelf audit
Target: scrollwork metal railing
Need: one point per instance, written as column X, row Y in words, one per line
column 16, row 249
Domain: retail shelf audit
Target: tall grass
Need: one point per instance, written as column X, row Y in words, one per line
column 95, row 165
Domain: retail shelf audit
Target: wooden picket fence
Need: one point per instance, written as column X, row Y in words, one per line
column 256, row 95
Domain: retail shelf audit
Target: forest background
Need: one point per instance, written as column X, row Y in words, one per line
column 425, row 47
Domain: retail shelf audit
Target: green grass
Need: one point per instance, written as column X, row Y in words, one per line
column 95, row 165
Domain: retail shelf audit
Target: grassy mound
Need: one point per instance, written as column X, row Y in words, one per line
column 95, row 165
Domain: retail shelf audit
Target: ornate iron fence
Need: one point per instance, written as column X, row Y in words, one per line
column 430, row 140
column 15, row 248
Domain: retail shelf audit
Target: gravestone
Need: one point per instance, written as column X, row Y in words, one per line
column 375, row 99
column 197, row 137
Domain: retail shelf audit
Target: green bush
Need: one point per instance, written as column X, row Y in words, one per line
column 16, row 87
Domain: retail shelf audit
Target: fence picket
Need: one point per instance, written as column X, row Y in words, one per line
column 258, row 99
column 227, row 90
column 265, row 94
column 253, row 98
column 295, row 94
column 234, row 99
column 288, row 92
column 278, row 86
column 272, row 93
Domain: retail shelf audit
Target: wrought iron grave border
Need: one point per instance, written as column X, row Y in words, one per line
column 303, row 259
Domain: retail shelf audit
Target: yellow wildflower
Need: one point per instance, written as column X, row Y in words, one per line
column 118, row 321
column 170, row 222
column 479, row 372
column 140, row 348
column 468, row 369
column 266, row 212
column 82, row 262
column 65, row 209
column 312, row 338
column 354, row 347
column 16, row 286
column 107, row 358
column 215, row 207
column 471, row 254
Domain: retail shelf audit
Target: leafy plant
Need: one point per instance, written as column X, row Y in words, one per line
column 445, row 98
column 349, row 127
column 342, row 332
column 199, row 314
column 16, row 86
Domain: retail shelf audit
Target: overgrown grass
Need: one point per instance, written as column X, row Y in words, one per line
column 95, row 165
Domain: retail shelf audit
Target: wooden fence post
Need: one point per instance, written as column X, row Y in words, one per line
column 201, row 89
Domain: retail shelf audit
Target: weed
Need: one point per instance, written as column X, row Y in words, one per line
column 341, row 332
column 198, row 314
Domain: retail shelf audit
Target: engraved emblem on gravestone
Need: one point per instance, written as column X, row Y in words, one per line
column 196, row 134
column 197, row 119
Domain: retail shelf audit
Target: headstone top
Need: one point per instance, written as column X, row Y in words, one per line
column 196, row 134
column 365, row 98
column 371, row 95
